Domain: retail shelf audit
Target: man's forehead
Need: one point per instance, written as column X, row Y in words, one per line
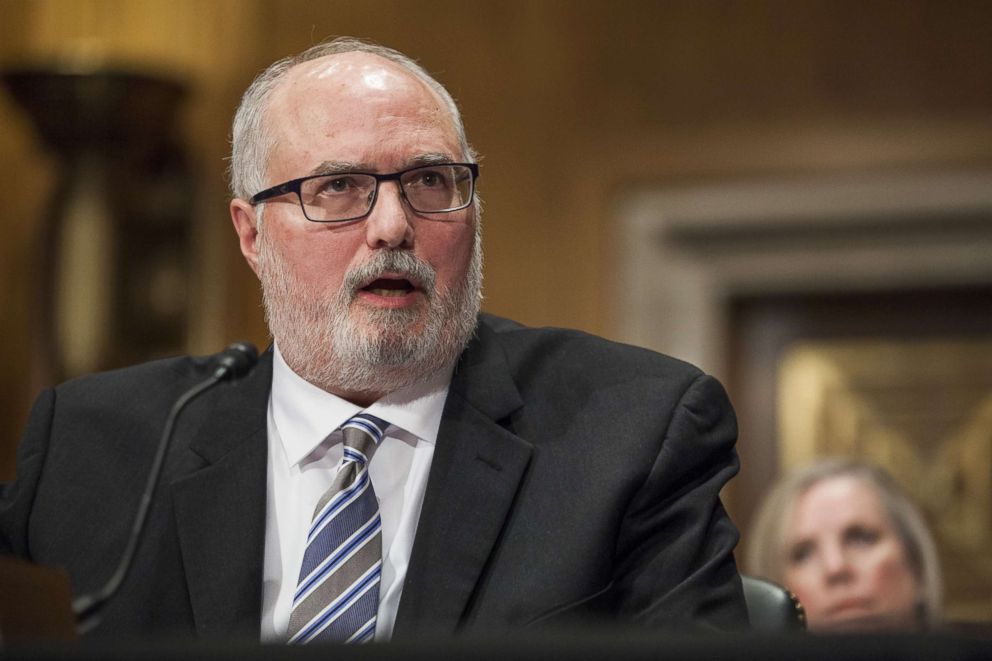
column 360, row 107
column 357, row 73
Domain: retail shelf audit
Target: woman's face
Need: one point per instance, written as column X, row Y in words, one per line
column 845, row 561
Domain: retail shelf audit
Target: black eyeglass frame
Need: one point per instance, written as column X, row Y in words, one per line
column 294, row 186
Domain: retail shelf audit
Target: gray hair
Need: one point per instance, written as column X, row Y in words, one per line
column 766, row 553
column 251, row 141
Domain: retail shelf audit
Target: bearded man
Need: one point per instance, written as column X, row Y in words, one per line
column 397, row 464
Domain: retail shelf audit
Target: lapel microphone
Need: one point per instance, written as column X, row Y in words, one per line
column 233, row 363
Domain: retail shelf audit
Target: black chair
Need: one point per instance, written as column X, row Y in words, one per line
column 771, row 607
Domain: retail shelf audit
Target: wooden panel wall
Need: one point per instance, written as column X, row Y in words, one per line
column 570, row 103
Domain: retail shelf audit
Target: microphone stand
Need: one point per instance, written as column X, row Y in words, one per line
column 233, row 363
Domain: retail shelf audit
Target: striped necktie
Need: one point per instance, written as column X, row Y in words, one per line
column 337, row 595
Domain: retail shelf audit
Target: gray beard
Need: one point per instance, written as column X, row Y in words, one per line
column 347, row 349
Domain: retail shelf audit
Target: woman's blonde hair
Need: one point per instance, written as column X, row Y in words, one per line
column 766, row 552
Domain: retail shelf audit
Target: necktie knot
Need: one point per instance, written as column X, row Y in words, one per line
column 362, row 434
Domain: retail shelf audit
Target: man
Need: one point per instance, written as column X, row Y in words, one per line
column 521, row 478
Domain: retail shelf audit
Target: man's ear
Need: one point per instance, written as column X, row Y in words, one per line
column 244, row 219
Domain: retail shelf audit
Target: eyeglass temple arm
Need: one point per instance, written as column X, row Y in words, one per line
column 275, row 191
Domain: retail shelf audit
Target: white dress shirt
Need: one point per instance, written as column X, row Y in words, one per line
column 302, row 461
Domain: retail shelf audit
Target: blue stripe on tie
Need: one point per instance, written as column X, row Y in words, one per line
column 374, row 426
column 351, row 454
column 370, row 419
column 331, row 563
column 367, row 427
column 366, row 632
column 341, row 504
column 334, row 534
column 353, row 618
column 341, row 500
column 323, row 567
column 340, row 605
column 339, row 614
column 340, row 555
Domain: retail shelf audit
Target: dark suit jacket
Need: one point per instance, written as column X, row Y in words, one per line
column 571, row 476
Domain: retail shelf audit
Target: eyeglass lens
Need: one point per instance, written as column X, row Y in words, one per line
column 430, row 189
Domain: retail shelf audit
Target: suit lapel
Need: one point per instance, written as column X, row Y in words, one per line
column 476, row 472
column 477, row 469
column 220, row 508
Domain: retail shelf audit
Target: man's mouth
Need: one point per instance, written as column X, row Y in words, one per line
column 390, row 287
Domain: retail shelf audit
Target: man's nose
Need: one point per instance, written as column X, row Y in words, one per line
column 388, row 224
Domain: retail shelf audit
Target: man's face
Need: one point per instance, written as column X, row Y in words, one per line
column 380, row 285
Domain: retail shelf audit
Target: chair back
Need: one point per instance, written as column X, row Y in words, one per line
column 771, row 607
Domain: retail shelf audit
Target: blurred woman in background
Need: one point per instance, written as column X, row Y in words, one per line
column 848, row 542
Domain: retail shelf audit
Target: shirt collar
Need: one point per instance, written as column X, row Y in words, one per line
column 305, row 415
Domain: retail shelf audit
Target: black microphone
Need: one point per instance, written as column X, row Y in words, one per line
column 232, row 363
column 236, row 361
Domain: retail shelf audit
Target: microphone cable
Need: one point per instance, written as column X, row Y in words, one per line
column 233, row 363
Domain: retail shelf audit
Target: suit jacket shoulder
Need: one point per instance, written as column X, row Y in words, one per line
column 586, row 474
column 84, row 460
column 557, row 348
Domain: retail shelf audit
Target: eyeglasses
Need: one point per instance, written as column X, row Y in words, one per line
column 344, row 196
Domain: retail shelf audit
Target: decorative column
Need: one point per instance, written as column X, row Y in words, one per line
column 112, row 266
